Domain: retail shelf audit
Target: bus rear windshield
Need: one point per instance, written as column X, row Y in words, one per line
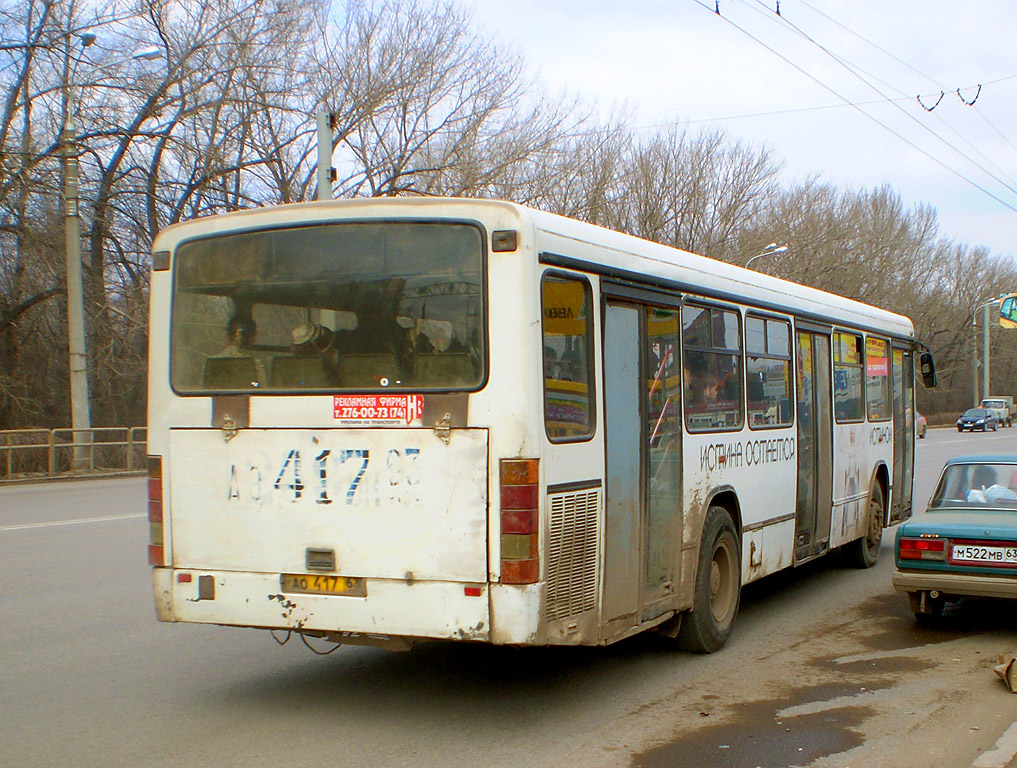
column 362, row 306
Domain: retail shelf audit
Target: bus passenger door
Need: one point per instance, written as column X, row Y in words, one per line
column 642, row 403
column 662, row 439
column 815, row 445
column 624, row 493
column 903, row 432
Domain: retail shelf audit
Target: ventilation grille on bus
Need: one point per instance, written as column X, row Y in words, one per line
column 572, row 553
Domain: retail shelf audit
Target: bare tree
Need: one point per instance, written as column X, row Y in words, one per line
column 697, row 192
column 422, row 104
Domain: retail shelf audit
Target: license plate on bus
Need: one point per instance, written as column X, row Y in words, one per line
column 992, row 555
column 323, row 584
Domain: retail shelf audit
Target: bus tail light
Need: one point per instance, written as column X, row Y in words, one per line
column 156, row 552
column 520, row 545
column 921, row 549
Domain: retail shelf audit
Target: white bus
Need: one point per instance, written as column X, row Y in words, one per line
column 380, row 421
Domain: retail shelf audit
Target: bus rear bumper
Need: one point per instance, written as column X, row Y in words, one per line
column 396, row 608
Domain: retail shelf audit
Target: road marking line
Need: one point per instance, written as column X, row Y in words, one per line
column 963, row 440
column 81, row 521
column 1002, row 752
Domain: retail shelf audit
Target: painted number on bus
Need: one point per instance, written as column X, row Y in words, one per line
column 348, row 476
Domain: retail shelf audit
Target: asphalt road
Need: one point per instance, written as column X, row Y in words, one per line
column 826, row 668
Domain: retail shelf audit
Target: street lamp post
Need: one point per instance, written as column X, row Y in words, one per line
column 985, row 348
column 769, row 250
column 81, row 425
column 80, row 417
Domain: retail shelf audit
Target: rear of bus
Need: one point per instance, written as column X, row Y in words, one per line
column 336, row 448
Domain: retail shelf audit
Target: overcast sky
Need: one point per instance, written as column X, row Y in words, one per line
column 788, row 82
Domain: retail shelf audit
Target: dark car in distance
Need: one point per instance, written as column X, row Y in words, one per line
column 977, row 418
column 965, row 545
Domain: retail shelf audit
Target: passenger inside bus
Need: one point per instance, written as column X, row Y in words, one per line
column 712, row 390
column 240, row 333
column 314, row 362
column 236, row 366
column 550, row 363
column 570, row 366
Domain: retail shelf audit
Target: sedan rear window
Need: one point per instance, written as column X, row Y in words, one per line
column 977, row 485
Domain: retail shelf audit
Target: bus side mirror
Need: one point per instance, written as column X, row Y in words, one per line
column 928, row 370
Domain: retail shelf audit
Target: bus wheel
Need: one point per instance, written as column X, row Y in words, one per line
column 707, row 626
column 864, row 552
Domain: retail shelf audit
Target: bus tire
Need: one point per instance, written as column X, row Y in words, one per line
column 708, row 625
column 864, row 552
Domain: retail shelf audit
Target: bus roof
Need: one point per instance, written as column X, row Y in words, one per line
column 582, row 245
column 700, row 274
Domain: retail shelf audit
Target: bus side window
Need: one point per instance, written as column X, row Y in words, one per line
column 849, row 404
column 768, row 371
column 568, row 361
column 877, row 378
column 712, row 355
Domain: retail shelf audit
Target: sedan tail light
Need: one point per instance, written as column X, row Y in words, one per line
column 921, row 549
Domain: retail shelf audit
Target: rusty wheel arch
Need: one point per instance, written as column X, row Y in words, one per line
column 726, row 497
column 881, row 475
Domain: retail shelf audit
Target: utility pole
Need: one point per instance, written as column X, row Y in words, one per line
column 81, row 420
column 985, row 350
column 974, row 358
column 986, row 319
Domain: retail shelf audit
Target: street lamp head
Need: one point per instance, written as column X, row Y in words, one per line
column 770, row 250
column 87, row 37
column 148, row 53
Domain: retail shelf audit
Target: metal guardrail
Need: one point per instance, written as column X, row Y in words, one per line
column 34, row 454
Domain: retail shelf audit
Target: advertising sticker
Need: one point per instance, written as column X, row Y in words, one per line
column 378, row 410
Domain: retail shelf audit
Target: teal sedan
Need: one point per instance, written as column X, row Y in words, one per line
column 965, row 545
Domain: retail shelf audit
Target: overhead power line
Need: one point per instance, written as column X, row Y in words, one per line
column 864, row 76
column 848, row 102
column 795, row 110
column 942, row 87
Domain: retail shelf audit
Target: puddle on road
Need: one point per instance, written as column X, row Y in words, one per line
column 883, row 631
column 888, row 624
column 889, row 665
column 756, row 738
column 884, row 623
column 754, row 735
